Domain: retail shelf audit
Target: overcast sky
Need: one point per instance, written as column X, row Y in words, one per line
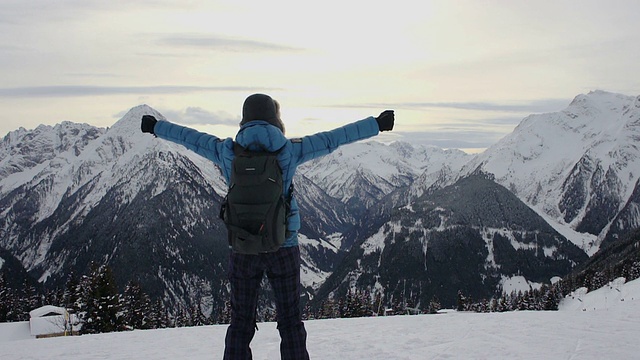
column 460, row 74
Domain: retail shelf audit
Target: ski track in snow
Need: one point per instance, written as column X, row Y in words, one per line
column 603, row 324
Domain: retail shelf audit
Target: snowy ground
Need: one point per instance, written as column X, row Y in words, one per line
column 604, row 324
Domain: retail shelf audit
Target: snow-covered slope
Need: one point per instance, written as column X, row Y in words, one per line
column 469, row 235
column 576, row 167
column 72, row 194
column 364, row 172
column 607, row 330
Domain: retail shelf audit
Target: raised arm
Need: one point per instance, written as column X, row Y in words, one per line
column 313, row 146
column 209, row 146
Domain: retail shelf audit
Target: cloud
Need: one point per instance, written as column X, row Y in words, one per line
column 88, row 90
column 200, row 116
column 10, row 48
column 223, row 43
column 460, row 134
column 500, row 121
column 95, row 75
column 26, row 12
column 532, row 106
column 452, row 138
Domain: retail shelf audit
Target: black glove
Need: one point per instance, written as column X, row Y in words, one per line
column 386, row 120
column 148, row 123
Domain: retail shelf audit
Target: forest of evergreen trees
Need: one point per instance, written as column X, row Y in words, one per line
column 99, row 308
column 600, row 271
column 95, row 300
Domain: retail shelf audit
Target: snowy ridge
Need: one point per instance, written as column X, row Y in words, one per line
column 383, row 168
column 21, row 149
column 562, row 163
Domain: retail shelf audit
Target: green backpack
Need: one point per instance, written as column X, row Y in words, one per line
column 255, row 208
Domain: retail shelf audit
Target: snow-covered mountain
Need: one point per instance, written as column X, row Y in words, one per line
column 362, row 173
column 578, row 167
column 471, row 236
column 110, row 197
column 72, row 194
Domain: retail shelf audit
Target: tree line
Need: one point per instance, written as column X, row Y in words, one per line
column 361, row 303
column 98, row 307
column 548, row 297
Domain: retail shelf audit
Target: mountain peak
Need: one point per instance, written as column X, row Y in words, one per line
column 601, row 100
column 130, row 122
column 558, row 161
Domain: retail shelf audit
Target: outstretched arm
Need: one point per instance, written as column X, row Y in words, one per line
column 206, row 145
column 313, row 146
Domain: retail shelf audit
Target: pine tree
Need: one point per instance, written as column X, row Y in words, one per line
column 225, row 314
column 346, row 305
column 550, row 299
column 635, row 270
column 71, row 293
column 135, row 307
column 14, row 306
column 81, row 295
column 410, row 306
column 378, row 304
column 366, row 306
column 397, row 306
column 329, row 309
column 513, row 301
column 4, row 298
column 31, row 297
column 20, row 305
column 434, row 305
column 102, row 303
column 462, row 301
column 307, row 314
column 159, row 316
column 54, row 297
column 503, row 303
column 197, row 317
column 182, row 318
column 494, row 305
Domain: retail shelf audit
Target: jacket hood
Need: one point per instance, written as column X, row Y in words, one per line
column 262, row 107
column 259, row 135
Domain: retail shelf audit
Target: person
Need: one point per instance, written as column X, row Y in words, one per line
column 262, row 128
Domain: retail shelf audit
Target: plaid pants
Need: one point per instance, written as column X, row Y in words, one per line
column 245, row 274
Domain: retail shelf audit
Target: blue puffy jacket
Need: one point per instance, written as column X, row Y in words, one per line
column 256, row 134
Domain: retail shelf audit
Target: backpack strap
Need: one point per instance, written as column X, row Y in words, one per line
column 238, row 149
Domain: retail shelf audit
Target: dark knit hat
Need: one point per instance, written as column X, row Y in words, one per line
column 262, row 107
